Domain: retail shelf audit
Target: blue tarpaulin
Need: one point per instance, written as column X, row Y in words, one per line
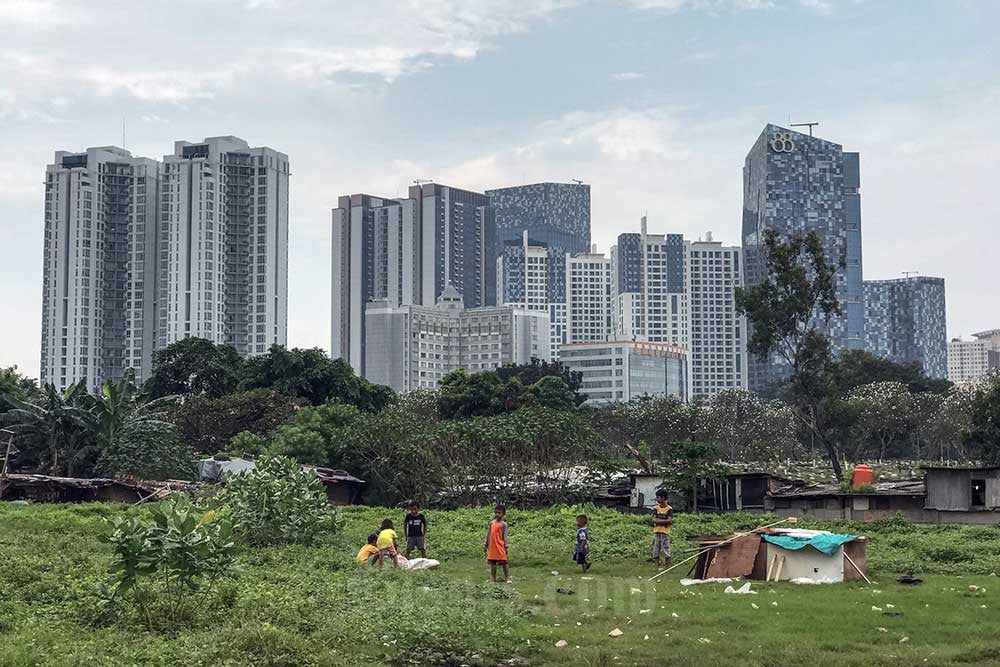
column 827, row 544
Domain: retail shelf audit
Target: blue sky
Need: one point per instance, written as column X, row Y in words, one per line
column 652, row 102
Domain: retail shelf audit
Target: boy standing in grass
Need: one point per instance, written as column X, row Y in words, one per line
column 496, row 544
column 663, row 518
column 415, row 529
column 386, row 544
column 582, row 549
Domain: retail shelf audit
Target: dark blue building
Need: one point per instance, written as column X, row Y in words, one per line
column 556, row 215
column 796, row 183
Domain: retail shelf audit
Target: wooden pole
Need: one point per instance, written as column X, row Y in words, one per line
column 6, row 460
column 781, row 566
column 770, row 567
column 863, row 575
column 737, row 536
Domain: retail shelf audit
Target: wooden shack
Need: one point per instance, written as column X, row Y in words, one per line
column 962, row 489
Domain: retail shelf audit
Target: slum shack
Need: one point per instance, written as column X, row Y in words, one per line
column 804, row 556
column 341, row 488
column 968, row 489
column 48, row 489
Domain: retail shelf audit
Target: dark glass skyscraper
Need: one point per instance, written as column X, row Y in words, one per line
column 905, row 322
column 556, row 215
column 796, row 183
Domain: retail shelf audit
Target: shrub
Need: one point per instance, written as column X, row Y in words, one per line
column 278, row 502
column 169, row 562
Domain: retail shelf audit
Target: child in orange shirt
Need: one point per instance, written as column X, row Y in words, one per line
column 496, row 544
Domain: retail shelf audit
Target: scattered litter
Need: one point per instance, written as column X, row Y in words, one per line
column 705, row 640
column 586, row 599
column 645, row 611
column 633, row 591
column 810, row 580
column 973, row 588
column 882, row 629
column 566, row 591
column 876, row 592
column 982, row 606
column 774, row 604
column 878, row 609
column 555, row 573
column 615, row 633
column 909, row 579
column 892, row 613
column 754, row 606
column 645, row 637
column 562, row 643
column 586, row 578
column 711, row 580
column 742, row 590
column 890, row 606
column 674, row 615
column 579, row 623
column 904, row 640
column 555, row 625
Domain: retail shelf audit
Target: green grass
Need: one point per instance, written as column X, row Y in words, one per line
column 313, row 606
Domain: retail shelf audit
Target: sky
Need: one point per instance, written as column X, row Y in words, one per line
column 654, row 103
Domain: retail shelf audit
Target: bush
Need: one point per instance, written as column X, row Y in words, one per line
column 277, row 502
column 168, row 563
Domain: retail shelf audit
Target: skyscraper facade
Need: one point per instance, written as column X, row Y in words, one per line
column 376, row 255
column 905, row 322
column 555, row 215
column 648, row 297
column 588, row 298
column 796, row 183
column 224, row 245
column 100, row 266
column 458, row 243
column 523, row 274
column 717, row 339
column 139, row 254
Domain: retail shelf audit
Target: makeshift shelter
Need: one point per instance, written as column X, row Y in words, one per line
column 341, row 487
column 48, row 489
column 782, row 555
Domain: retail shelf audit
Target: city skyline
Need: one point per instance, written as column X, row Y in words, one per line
column 639, row 120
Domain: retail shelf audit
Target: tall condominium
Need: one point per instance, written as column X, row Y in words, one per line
column 139, row 254
column 588, row 297
column 376, row 255
column 407, row 250
column 717, row 339
column 796, row 183
column 971, row 359
column 905, row 322
column 413, row 347
column 523, row 274
column 555, row 215
column 224, row 245
column 100, row 266
column 648, row 287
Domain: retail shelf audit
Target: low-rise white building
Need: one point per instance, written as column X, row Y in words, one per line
column 623, row 370
column 971, row 359
column 412, row 347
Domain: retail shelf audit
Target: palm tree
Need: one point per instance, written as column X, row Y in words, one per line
column 58, row 431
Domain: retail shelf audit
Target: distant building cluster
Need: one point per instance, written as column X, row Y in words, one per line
column 140, row 253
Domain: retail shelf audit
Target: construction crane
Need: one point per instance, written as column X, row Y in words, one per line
column 910, row 273
column 577, row 181
column 809, row 125
column 421, row 181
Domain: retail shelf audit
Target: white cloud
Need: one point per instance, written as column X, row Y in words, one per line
column 31, row 13
column 155, row 86
column 821, row 6
column 627, row 76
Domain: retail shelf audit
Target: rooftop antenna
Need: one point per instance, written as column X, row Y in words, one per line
column 123, row 132
column 910, row 273
column 577, row 181
column 421, row 181
column 809, row 125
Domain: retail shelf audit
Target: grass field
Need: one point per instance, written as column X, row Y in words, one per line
column 313, row 606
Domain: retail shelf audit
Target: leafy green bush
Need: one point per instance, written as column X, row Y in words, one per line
column 169, row 562
column 277, row 502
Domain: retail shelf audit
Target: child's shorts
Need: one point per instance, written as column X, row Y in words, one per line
column 496, row 562
column 415, row 542
column 387, row 554
column 580, row 557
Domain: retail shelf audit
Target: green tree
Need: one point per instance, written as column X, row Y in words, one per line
column 313, row 376
column 750, row 428
column 316, row 435
column 133, row 435
column 855, row 368
column 693, row 462
column 786, row 309
column 57, row 434
column 983, row 436
column 17, row 386
column 530, row 373
column 194, row 366
column 885, row 415
column 550, row 392
column 208, row 424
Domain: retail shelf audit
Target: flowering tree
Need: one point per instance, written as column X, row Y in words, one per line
column 747, row 427
column 884, row 416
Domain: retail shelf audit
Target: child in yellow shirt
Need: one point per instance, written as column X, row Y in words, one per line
column 369, row 552
column 386, row 543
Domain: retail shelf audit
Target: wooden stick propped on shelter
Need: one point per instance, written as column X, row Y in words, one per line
column 735, row 537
